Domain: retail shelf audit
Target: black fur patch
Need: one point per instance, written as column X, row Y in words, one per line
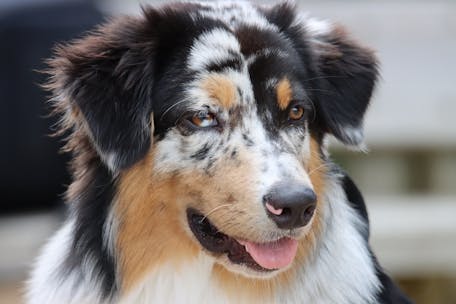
column 107, row 77
column 389, row 293
column 340, row 72
column 356, row 200
column 234, row 63
column 247, row 140
column 346, row 87
column 90, row 209
column 201, row 153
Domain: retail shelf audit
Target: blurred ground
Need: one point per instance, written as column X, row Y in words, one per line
column 10, row 293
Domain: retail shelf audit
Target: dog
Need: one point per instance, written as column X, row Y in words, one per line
column 200, row 166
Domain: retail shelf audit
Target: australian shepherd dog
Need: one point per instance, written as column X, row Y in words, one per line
column 201, row 174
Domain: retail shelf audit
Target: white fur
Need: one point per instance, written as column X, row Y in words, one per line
column 266, row 52
column 212, row 47
column 341, row 270
column 110, row 159
column 314, row 26
column 110, row 231
column 234, row 13
column 242, row 81
column 191, row 283
column 353, row 134
column 305, row 147
column 52, row 283
column 271, row 83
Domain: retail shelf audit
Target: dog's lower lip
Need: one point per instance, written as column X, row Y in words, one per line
column 219, row 243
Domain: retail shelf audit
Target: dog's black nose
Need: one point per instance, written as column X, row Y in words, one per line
column 290, row 206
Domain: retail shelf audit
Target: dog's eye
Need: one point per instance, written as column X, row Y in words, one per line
column 204, row 120
column 296, row 112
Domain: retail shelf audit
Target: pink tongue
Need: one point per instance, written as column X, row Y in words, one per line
column 273, row 255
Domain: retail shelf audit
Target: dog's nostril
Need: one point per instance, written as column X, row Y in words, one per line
column 290, row 205
column 308, row 213
column 310, row 209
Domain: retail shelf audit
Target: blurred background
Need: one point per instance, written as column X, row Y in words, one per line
column 408, row 177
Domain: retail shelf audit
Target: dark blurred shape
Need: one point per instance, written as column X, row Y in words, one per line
column 33, row 174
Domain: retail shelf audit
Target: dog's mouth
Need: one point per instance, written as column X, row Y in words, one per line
column 263, row 257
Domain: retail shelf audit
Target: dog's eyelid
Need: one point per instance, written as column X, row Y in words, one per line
column 297, row 102
column 199, row 119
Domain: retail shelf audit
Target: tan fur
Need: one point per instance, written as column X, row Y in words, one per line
column 221, row 89
column 238, row 196
column 151, row 217
column 284, row 93
column 150, row 230
column 316, row 168
column 151, row 210
column 317, row 171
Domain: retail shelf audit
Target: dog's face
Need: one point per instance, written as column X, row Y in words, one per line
column 236, row 140
column 211, row 119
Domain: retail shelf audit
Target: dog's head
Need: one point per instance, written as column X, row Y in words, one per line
column 211, row 119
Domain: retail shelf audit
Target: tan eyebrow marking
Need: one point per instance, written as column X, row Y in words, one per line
column 284, row 93
column 222, row 89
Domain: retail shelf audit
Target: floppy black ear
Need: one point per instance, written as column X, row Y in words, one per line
column 346, row 75
column 102, row 84
column 343, row 73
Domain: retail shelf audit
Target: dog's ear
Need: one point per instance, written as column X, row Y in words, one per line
column 346, row 74
column 102, row 85
column 343, row 72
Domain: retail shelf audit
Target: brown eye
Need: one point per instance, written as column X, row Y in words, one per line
column 296, row 113
column 204, row 120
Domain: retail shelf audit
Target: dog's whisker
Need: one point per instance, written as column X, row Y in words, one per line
column 171, row 107
column 316, row 169
column 314, row 110
column 321, row 90
column 323, row 77
column 213, row 210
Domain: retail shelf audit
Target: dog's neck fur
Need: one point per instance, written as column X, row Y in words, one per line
column 341, row 260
